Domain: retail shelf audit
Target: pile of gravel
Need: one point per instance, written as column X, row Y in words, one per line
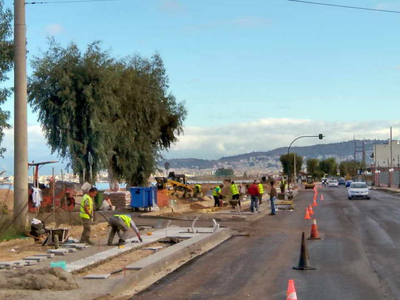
column 55, row 279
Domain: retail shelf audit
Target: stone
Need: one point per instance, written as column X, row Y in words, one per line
column 35, row 258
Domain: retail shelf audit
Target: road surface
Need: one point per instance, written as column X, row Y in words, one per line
column 358, row 257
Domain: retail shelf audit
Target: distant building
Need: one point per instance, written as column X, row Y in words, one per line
column 381, row 155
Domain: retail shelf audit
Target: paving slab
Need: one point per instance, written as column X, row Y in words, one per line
column 48, row 255
column 97, row 276
column 35, row 258
column 7, row 263
column 73, row 245
column 149, row 260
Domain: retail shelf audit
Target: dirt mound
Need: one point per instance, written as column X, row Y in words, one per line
column 55, row 279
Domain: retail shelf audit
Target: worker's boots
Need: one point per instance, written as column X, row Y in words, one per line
column 121, row 242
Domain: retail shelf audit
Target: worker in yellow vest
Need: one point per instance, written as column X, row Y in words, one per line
column 217, row 194
column 261, row 189
column 235, row 192
column 121, row 223
column 197, row 190
column 86, row 214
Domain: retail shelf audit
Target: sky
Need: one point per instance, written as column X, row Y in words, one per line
column 253, row 74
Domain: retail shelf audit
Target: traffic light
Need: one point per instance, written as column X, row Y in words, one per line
column 320, row 136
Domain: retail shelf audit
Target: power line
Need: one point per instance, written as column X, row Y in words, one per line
column 345, row 6
column 66, row 1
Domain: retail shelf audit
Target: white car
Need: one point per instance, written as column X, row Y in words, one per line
column 358, row 190
column 333, row 183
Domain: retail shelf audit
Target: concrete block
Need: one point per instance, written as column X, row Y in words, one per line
column 55, row 251
column 72, row 250
column 31, row 262
column 21, row 262
column 98, row 276
column 48, row 255
column 7, row 264
column 35, row 258
column 73, row 245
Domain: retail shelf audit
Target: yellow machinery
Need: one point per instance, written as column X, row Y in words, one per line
column 309, row 184
column 175, row 184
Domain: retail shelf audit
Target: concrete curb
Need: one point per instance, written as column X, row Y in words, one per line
column 125, row 287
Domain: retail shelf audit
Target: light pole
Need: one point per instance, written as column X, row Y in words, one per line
column 320, row 136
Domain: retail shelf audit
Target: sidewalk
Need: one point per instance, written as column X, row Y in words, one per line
column 392, row 190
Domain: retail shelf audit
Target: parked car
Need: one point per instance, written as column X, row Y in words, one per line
column 348, row 182
column 333, row 183
column 358, row 190
column 342, row 181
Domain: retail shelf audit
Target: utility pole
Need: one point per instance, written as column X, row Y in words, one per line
column 20, row 118
column 390, row 165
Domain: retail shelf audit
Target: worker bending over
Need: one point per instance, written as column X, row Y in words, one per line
column 121, row 223
column 217, row 194
column 235, row 192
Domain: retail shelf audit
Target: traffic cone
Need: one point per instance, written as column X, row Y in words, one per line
column 291, row 291
column 322, row 197
column 315, row 197
column 307, row 215
column 304, row 261
column 315, row 203
column 310, row 210
column 314, row 231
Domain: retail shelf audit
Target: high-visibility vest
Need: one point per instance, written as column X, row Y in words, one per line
column 126, row 218
column 234, row 189
column 217, row 191
column 198, row 186
column 261, row 188
column 89, row 200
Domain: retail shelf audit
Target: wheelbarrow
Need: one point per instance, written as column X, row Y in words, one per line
column 56, row 236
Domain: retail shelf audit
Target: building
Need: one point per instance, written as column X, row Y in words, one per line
column 383, row 153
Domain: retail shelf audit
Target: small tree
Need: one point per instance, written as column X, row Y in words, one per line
column 224, row 172
column 312, row 167
column 328, row 166
column 287, row 161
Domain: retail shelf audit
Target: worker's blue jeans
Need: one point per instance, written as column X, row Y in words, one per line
column 272, row 199
column 254, row 203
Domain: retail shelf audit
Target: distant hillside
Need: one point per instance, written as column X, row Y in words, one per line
column 342, row 151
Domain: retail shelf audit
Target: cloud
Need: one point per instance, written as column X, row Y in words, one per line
column 172, row 7
column 54, row 29
column 388, row 6
column 268, row 134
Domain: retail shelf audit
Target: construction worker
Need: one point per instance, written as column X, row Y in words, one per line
column 197, row 190
column 261, row 190
column 235, row 192
column 217, row 194
column 121, row 223
column 86, row 214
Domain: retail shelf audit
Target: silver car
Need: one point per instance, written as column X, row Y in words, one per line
column 358, row 190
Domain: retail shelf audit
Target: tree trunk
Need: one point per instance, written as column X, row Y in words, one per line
column 112, row 180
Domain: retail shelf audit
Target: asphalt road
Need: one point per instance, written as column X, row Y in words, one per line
column 358, row 257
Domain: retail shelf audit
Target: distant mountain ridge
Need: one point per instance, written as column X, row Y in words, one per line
column 341, row 150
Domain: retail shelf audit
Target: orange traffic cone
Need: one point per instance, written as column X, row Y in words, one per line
column 315, row 197
column 310, row 210
column 315, row 203
column 291, row 291
column 307, row 215
column 314, row 231
column 322, row 197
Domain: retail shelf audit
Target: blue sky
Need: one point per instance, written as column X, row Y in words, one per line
column 254, row 74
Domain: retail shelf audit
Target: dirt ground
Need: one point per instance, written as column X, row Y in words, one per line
column 123, row 260
column 17, row 249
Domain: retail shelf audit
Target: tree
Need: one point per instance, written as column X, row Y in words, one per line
column 6, row 64
column 150, row 118
column 328, row 166
column 287, row 161
column 117, row 111
column 72, row 93
column 349, row 168
column 312, row 166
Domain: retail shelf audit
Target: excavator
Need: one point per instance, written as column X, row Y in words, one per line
column 175, row 184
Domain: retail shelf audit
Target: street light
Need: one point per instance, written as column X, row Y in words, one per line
column 319, row 136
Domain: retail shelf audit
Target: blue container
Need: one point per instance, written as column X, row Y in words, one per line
column 143, row 197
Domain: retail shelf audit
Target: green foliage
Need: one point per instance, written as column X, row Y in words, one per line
column 287, row 161
column 349, row 167
column 119, row 111
column 224, row 172
column 6, row 64
column 72, row 93
column 312, row 166
column 328, row 166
